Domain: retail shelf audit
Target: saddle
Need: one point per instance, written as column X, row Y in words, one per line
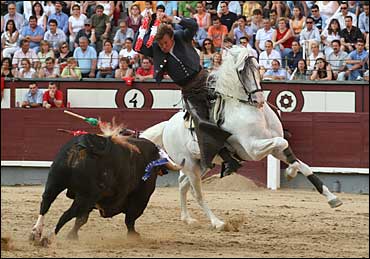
column 217, row 113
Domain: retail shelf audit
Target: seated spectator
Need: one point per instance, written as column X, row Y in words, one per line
column 363, row 20
column 327, row 8
column 239, row 29
column 282, row 39
column 9, row 40
column 87, row 32
column 26, row 71
column 50, row 70
column 124, row 70
column 134, row 19
column 257, row 22
column 322, row 70
column 24, row 52
column 88, row 8
column 318, row 19
column 33, row 33
column 44, row 52
column 315, row 54
column 62, row 55
column 76, row 23
column 86, row 57
column 130, row 53
column 15, row 16
column 263, row 35
column 294, row 56
column 38, row 12
column 309, row 35
column 232, row 6
column 71, row 70
column 148, row 8
column 217, row 32
column 60, row 17
column 297, row 22
column 274, row 19
column 227, row 44
column 341, row 16
column 170, row 7
column 107, row 61
column 7, row 69
column 226, row 16
column 101, row 24
column 108, row 8
column 121, row 35
column 300, row 72
column 52, row 98
column 33, row 98
column 332, row 33
column 275, row 72
column 244, row 43
column 216, row 62
column 199, row 37
column 187, row 8
column 249, row 7
column 202, row 17
column 146, row 71
column 49, row 7
column 337, row 58
column 206, row 55
column 349, row 35
column 54, row 35
column 267, row 56
column 356, row 62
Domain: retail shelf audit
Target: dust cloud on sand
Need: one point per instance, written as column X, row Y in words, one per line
column 259, row 223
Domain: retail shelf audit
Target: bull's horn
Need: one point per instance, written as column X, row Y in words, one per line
column 173, row 166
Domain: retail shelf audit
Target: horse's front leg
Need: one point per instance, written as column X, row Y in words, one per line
column 195, row 181
column 286, row 155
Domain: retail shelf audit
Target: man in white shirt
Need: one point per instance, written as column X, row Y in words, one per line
column 263, row 35
column 342, row 15
column 24, row 52
column 130, row 53
column 54, row 35
column 266, row 57
column 336, row 58
column 309, row 34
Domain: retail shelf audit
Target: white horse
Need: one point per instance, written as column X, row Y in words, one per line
column 256, row 132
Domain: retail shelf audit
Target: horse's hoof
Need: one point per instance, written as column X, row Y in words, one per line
column 34, row 236
column 335, row 203
column 189, row 221
column 220, row 226
column 290, row 176
column 45, row 242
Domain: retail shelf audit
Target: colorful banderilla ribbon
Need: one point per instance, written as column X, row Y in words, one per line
column 151, row 165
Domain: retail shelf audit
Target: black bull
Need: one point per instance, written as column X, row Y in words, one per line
column 98, row 173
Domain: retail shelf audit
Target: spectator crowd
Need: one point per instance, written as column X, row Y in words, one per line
column 292, row 40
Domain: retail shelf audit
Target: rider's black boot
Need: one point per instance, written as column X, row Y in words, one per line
column 230, row 165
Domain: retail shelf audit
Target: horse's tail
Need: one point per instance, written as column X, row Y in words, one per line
column 155, row 133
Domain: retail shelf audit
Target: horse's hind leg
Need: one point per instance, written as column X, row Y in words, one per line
column 296, row 165
column 195, row 181
column 184, row 186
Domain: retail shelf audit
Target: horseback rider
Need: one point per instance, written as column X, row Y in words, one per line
column 172, row 52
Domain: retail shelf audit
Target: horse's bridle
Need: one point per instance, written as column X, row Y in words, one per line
column 249, row 94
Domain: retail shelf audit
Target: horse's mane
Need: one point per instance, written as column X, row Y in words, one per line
column 113, row 130
column 225, row 79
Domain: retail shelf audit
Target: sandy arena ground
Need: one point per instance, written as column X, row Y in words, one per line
column 283, row 223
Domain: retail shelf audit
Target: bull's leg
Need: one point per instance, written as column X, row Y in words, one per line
column 195, row 181
column 296, row 165
column 184, row 185
column 80, row 221
column 48, row 197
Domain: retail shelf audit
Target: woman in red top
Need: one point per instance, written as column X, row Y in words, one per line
column 282, row 39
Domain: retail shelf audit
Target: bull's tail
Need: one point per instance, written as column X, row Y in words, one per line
column 155, row 133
